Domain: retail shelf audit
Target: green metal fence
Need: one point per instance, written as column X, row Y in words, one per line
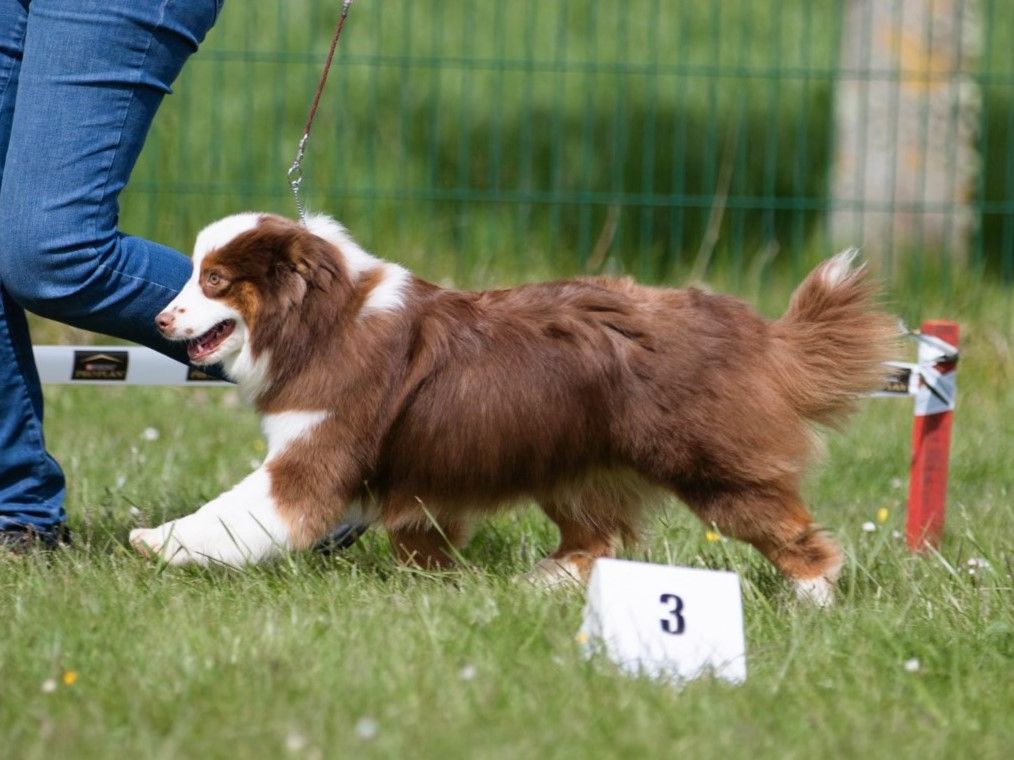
column 499, row 139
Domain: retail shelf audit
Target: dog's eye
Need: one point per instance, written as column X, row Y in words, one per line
column 214, row 279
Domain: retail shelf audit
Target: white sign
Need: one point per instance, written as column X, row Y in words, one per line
column 666, row 622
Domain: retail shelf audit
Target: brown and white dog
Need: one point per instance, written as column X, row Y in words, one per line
column 422, row 407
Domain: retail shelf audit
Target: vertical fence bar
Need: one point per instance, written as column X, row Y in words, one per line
column 557, row 157
column 709, row 181
column 587, row 136
column 977, row 259
column 648, row 157
column 680, row 115
column 466, row 94
column 623, row 86
column 774, row 122
column 373, row 117
column 282, row 141
column 735, row 148
column 801, row 164
column 894, row 106
column 1007, row 240
column 495, row 208
column 523, row 211
column 405, row 105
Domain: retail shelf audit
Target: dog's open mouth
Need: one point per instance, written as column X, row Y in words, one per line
column 205, row 345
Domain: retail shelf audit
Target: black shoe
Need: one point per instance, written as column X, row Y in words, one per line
column 25, row 540
column 340, row 538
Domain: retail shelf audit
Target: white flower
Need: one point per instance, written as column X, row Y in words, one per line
column 134, row 512
column 367, row 728
column 295, row 741
column 978, row 563
column 150, row 434
column 897, row 534
column 912, row 666
column 49, row 686
column 869, row 527
column 467, row 673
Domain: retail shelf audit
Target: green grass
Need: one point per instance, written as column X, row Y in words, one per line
column 176, row 663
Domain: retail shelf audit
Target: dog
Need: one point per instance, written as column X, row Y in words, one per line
column 390, row 400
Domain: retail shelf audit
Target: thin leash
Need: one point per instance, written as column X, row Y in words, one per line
column 295, row 173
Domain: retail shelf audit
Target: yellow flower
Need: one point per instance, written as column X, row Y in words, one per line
column 70, row 677
column 882, row 515
column 581, row 638
column 713, row 535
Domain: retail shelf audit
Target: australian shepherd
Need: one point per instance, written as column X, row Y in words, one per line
column 388, row 399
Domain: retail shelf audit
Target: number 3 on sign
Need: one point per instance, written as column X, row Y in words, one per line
column 675, row 624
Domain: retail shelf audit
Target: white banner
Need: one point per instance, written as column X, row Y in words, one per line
column 115, row 365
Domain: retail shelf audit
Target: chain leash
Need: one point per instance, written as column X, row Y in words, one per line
column 295, row 173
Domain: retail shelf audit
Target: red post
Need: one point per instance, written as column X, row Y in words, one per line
column 931, row 441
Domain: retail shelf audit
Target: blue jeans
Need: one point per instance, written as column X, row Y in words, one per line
column 80, row 81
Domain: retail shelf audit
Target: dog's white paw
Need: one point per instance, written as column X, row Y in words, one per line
column 553, row 573
column 241, row 527
column 818, row 591
column 163, row 542
column 147, row 541
column 196, row 539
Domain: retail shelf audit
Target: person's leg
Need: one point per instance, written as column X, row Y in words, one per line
column 80, row 84
column 93, row 74
column 31, row 483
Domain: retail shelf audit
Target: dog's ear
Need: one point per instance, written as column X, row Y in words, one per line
column 299, row 257
column 290, row 285
column 314, row 259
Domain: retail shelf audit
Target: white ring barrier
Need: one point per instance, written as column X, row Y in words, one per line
column 115, row 365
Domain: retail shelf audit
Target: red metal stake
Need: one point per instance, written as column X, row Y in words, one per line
column 931, row 442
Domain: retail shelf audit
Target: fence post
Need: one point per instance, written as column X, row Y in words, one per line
column 931, row 443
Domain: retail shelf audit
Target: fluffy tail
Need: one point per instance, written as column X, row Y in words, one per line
column 829, row 346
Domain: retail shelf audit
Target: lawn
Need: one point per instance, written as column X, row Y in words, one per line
column 488, row 143
column 103, row 654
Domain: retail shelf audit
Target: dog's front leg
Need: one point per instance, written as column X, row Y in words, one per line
column 242, row 526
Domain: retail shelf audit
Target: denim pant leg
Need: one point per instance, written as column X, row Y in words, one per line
column 91, row 76
column 31, row 482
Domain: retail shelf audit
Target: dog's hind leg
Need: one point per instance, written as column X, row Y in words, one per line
column 774, row 520
column 593, row 519
column 580, row 545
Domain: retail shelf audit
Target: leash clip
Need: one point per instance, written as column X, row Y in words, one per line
column 295, row 177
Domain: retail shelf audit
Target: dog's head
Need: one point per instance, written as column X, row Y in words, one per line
column 250, row 271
